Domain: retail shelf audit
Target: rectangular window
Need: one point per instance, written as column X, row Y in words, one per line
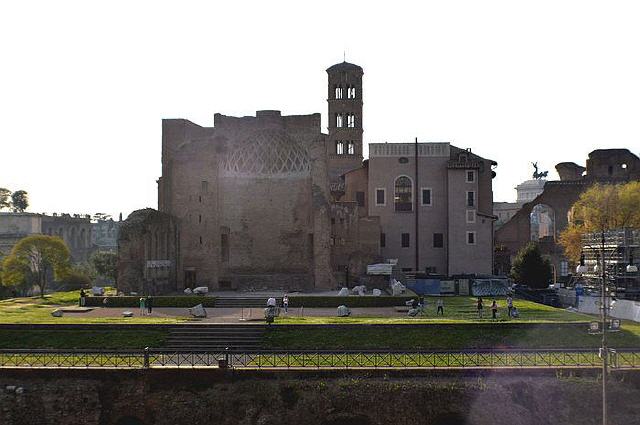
column 426, row 196
column 405, row 240
column 204, row 186
column 564, row 268
column 383, row 240
column 471, row 238
column 471, row 176
column 380, row 197
column 224, row 247
column 471, row 199
column 471, row 216
column 360, row 199
column 438, row 240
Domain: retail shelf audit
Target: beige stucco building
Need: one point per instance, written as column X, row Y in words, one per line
column 434, row 217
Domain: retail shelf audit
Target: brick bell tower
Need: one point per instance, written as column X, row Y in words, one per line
column 345, row 122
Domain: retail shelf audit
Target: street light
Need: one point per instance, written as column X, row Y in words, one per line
column 631, row 268
column 582, row 268
column 604, row 307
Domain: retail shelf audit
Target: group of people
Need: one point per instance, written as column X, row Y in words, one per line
column 146, row 305
column 420, row 305
column 512, row 310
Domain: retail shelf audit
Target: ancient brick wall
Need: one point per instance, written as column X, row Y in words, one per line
column 204, row 397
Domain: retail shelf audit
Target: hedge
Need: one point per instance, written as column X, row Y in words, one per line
column 159, row 301
column 350, row 301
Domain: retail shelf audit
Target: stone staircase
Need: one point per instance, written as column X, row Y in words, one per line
column 246, row 302
column 215, row 337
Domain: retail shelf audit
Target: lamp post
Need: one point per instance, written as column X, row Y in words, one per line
column 604, row 307
column 604, row 351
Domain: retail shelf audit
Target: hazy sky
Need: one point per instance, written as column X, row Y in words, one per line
column 84, row 85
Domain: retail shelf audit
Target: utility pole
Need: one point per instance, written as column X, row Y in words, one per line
column 417, row 191
column 604, row 351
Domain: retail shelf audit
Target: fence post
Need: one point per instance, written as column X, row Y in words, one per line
column 145, row 363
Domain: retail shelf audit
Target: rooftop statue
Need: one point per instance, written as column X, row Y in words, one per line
column 536, row 174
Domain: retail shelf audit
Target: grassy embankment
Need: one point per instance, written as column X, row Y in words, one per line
column 463, row 330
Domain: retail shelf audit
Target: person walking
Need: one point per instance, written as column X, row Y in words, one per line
column 149, row 302
column 82, row 298
column 509, row 304
column 285, row 303
column 494, row 309
column 440, row 304
column 479, row 307
column 142, row 309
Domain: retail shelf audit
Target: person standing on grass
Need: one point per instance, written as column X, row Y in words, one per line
column 142, row 310
column 82, row 298
column 285, row 303
column 494, row 309
column 479, row 306
column 440, row 304
column 509, row 304
column 149, row 302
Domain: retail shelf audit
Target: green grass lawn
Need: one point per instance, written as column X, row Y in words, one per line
column 37, row 310
column 84, row 339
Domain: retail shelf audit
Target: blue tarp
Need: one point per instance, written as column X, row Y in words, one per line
column 425, row 286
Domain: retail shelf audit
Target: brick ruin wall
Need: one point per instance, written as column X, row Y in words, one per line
column 187, row 396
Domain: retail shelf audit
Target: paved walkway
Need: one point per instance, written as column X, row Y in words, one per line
column 234, row 315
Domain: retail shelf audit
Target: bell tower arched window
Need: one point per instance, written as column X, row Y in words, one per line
column 403, row 195
column 338, row 92
column 339, row 147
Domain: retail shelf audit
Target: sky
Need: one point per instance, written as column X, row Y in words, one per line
column 84, row 85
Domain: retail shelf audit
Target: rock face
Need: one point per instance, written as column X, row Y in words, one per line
column 334, row 398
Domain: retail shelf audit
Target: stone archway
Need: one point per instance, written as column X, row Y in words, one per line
column 542, row 220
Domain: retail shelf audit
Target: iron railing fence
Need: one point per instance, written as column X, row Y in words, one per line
column 513, row 358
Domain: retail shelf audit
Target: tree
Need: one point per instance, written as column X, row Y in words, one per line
column 19, row 201
column 530, row 268
column 599, row 209
column 33, row 259
column 106, row 264
column 5, row 195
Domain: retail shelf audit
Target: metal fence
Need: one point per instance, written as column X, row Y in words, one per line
column 622, row 359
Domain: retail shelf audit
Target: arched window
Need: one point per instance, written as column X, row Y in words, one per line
column 351, row 120
column 339, row 147
column 542, row 221
column 338, row 120
column 350, row 148
column 72, row 237
column 403, row 198
column 338, row 92
column 351, row 92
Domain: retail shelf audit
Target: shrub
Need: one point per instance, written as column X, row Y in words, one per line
column 76, row 280
column 159, row 301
